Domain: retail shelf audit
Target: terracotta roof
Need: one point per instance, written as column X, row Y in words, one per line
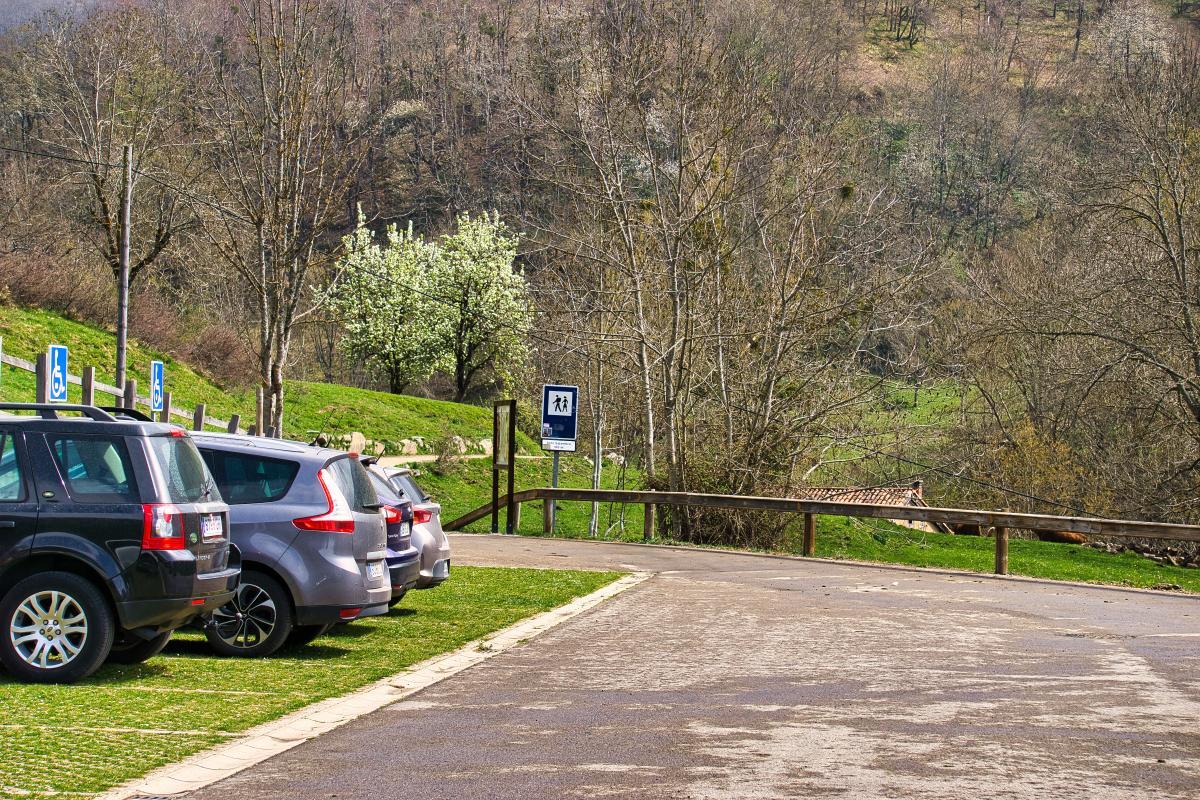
column 874, row 495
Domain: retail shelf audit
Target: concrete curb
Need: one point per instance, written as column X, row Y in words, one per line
column 272, row 738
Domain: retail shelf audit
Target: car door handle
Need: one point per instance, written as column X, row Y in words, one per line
column 7, row 523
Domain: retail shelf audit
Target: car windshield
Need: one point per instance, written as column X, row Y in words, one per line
column 183, row 473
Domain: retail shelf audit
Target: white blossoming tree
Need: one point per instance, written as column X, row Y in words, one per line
column 411, row 308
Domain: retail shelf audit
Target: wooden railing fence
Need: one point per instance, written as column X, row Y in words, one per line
column 1000, row 522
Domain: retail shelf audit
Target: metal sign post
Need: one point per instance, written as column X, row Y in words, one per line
column 504, row 437
column 560, row 426
column 156, row 386
column 56, row 366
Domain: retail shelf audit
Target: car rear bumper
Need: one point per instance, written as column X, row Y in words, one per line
column 435, row 575
column 404, row 571
column 150, row 617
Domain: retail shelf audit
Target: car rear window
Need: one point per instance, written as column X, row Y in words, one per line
column 184, row 475
column 384, row 490
column 96, row 469
column 410, row 488
column 355, row 483
column 244, row 478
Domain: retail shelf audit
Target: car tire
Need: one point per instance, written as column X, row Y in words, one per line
column 304, row 634
column 57, row 627
column 135, row 651
column 256, row 622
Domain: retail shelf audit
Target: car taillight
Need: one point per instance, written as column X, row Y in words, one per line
column 162, row 527
column 338, row 518
column 421, row 515
column 392, row 515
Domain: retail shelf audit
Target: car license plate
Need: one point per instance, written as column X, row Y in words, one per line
column 212, row 529
column 375, row 570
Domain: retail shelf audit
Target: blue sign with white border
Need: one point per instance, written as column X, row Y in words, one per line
column 56, row 379
column 156, row 386
column 560, row 417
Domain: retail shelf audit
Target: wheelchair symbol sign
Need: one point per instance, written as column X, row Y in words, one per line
column 156, row 386
column 57, row 367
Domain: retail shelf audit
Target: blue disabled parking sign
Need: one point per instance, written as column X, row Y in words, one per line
column 56, row 389
column 560, row 417
column 156, row 386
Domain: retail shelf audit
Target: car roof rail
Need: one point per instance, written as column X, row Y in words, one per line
column 50, row 410
column 127, row 413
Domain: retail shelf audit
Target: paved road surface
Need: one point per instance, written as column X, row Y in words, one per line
column 734, row 676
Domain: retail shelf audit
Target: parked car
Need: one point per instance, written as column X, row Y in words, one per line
column 404, row 560
column 427, row 533
column 312, row 536
column 112, row 535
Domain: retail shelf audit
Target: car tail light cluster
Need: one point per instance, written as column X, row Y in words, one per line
column 338, row 518
column 392, row 515
column 162, row 527
column 421, row 516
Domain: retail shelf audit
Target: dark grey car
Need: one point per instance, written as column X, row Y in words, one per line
column 312, row 538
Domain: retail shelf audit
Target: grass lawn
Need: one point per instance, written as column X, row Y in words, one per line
column 125, row 721
column 874, row 540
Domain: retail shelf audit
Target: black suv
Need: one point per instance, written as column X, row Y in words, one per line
column 112, row 535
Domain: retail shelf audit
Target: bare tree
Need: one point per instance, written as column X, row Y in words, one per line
column 287, row 136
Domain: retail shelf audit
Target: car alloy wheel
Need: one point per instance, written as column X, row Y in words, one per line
column 48, row 629
column 248, row 619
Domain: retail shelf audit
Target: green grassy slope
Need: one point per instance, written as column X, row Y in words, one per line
column 469, row 485
column 308, row 406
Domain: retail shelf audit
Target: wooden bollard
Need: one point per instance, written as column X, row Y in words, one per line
column 130, row 399
column 515, row 510
column 810, row 535
column 234, row 421
column 1001, row 536
column 648, row 522
column 198, row 417
column 547, row 517
column 165, row 414
column 260, row 424
column 88, row 380
column 42, row 386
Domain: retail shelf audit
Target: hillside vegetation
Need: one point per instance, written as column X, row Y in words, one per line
column 311, row 407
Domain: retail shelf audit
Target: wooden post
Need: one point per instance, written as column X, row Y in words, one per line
column 516, row 518
column 810, row 535
column 234, row 421
column 130, row 399
column 648, row 522
column 165, row 414
column 42, row 386
column 88, row 379
column 547, row 517
column 1001, row 551
column 198, row 417
column 258, row 411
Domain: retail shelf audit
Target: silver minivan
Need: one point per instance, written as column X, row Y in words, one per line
column 312, row 537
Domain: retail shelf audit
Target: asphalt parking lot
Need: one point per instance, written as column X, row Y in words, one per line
column 735, row 676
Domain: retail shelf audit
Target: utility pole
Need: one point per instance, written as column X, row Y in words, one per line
column 123, row 268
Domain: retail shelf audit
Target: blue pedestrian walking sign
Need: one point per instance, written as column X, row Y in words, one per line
column 560, row 417
column 56, row 366
column 156, row 386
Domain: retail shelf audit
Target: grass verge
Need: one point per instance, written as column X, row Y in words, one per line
column 125, row 721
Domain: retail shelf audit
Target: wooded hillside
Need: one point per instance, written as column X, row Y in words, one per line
column 777, row 244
